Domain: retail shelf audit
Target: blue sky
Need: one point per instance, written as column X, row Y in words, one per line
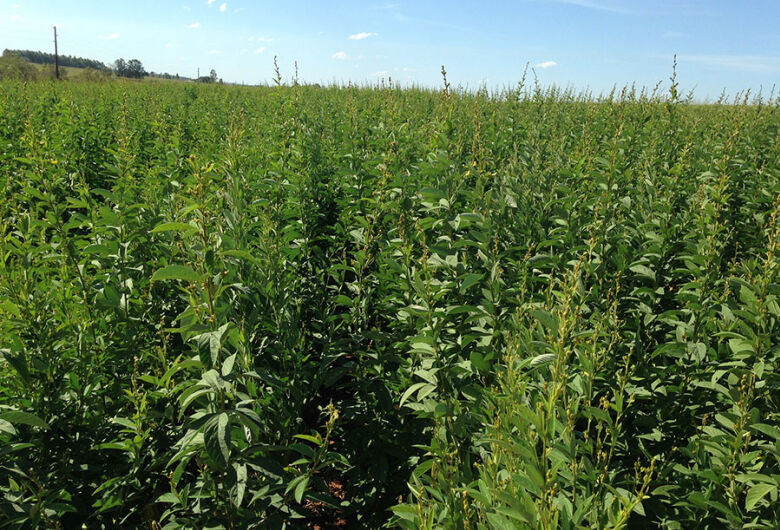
column 593, row 44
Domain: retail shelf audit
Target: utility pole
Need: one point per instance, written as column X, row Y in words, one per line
column 56, row 55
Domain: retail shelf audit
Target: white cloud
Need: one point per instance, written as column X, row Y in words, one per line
column 381, row 73
column 260, row 50
column 264, row 39
column 214, row 52
column 110, row 36
column 244, row 50
column 340, row 56
column 194, row 25
column 15, row 6
column 361, row 36
column 223, row 7
column 209, row 2
column 546, row 64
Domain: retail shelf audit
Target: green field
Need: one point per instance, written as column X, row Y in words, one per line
column 312, row 307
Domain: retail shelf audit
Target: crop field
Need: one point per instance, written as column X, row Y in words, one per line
column 361, row 307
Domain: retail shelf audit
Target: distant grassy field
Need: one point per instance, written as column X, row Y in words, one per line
column 305, row 307
column 66, row 72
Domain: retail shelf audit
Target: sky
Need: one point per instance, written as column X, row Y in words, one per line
column 585, row 44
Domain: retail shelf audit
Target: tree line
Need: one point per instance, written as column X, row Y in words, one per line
column 132, row 68
column 48, row 58
column 16, row 64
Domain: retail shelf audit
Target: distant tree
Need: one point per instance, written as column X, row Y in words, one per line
column 135, row 69
column 48, row 58
column 213, row 75
column 132, row 68
column 15, row 67
column 120, row 67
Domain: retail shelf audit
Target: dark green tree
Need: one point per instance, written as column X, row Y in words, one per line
column 135, row 69
column 120, row 67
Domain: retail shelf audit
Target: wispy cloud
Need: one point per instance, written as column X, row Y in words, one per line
column 341, row 56
column 223, row 7
column 15, row 6
column 381, row 73
column 260, row 50
column 214, row 52
column 387, row 6
column 599, row 6
column 361, row 36
column 194, row 25
column 546, row 64
column 209, row 2
column 110, row 36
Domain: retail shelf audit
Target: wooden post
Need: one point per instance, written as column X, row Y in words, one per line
column 56, row 56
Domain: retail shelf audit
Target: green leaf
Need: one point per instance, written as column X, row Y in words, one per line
column 740, row 345
column 479, row 362
column 18, row 362
column 309, row 438
column 241, row 254
column 182, row 228
column 168, row 498
column 216, row 437
column 407, row 512
column 305, row 450
column 409, row 391
column 176, row 272
column 240, row 488
column 223, row 431
column 547, row 319
column 469, row 280
column 757, row 493
column 500, row 522
column 6, row 426
column 300, row 489
column 16, row 417
column 643, row 271
column 545, row 358
column 9, row 308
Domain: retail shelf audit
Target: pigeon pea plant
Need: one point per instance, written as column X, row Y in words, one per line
column 296, row 306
